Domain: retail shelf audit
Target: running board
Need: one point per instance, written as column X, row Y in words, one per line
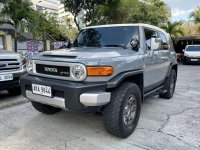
column 154, row 91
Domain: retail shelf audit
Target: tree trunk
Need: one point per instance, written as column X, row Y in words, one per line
column 15, row 38
column 77, row 25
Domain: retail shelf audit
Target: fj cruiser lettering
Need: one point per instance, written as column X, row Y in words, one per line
column 109, row 68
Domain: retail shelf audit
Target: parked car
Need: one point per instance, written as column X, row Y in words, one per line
column 12, row 67
column 109, row 68
column 191, row 54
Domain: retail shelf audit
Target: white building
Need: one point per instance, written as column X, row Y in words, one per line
column 45, row 6
column 65, row 17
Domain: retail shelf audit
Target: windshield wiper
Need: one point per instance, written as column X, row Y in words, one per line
column 116, row 45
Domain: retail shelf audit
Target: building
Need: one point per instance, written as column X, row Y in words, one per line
column 65, row 17
column 45, row 6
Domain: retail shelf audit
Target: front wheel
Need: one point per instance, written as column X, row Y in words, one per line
column 46, row 109
column 122, row 114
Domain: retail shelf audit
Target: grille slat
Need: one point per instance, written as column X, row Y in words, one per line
column 9, row 64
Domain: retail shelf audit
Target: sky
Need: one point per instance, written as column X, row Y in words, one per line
column 180, row 8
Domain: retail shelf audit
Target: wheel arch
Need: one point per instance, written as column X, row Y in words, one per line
column 136, row 77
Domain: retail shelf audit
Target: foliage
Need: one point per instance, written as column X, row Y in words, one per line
column 174, row 29
column 134, row 11
column 39, row 24
column 15, row 12
column 196, row 15
column 191, row 28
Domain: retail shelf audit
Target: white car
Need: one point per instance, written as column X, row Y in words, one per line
column 191, row 54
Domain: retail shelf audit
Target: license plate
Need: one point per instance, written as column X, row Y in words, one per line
column 194, row 59
column 41, row 90
column 6, row 77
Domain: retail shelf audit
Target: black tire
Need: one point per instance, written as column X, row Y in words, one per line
column 114, row 112
column 184, row 61
column 46, row 109
column 169, row 86
column 14, row 91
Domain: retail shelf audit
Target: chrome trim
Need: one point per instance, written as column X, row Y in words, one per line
column 55, row 101
column 66, row 64
column 95, row 99
column 21, row 70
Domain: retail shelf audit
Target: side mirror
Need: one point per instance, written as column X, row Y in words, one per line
column 134, row 44
column 155, row 44
column 183, row 50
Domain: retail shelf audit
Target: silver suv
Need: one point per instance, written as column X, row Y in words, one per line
column 109, row 68
column 12, row 66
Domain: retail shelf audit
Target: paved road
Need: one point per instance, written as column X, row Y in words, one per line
column 164, row 124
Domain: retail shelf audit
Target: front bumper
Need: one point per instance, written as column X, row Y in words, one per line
column 192, row 59
column 75, row 96
column 5, row 85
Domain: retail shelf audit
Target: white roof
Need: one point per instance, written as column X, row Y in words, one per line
column 135, row 24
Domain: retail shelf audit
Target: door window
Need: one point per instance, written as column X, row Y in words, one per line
column 149, row 35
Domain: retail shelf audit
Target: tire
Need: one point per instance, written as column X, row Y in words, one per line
column 169, row 86
column 46, row 109
column 115, row 113
column 14, row 91
column 184, row 61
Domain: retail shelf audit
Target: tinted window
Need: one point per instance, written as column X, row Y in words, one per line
column 149, row 34
column 105, row 36
column 193, row 48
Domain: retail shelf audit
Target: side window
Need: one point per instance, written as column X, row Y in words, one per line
column 149, row 34
column 164, row 40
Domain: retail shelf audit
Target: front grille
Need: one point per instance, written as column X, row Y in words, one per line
column 63, row 71
column 9, row 64
column 56, row 93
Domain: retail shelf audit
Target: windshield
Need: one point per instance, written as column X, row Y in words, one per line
column 118, row 36
column 193, row 48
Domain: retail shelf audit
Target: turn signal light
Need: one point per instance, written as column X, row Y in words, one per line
column 99, row 70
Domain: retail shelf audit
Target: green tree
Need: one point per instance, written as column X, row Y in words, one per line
column 14, row 13
column 174, row 29
column 196, row 15
column 134, row 11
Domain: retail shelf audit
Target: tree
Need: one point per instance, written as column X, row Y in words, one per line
column 173, row 28
column 75, row 7
column 134, row 11
column 196, row 15
column 14, row 13
column 152, row 12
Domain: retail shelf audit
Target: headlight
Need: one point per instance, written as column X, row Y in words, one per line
column 78, row 72
column 29, row 65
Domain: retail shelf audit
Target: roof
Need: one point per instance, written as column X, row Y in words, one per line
column 194, row 37
column 135, row 24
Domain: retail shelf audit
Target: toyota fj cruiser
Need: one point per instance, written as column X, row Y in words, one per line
column 109, row 68
column 12, row 66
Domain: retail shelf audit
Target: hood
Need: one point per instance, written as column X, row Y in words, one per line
column 192, row 53
column 9, row 55
column 74, row 54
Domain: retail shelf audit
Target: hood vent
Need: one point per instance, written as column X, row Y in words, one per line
column 60, row 56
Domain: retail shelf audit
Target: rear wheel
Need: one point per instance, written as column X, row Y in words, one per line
column 122, row 114
column 46, row 109
column 169, row 86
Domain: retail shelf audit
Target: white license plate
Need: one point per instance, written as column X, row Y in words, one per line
column 6, row 77
column 41, row 90
column 194, row 59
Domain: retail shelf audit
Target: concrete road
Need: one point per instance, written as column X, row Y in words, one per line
column 164, row 124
